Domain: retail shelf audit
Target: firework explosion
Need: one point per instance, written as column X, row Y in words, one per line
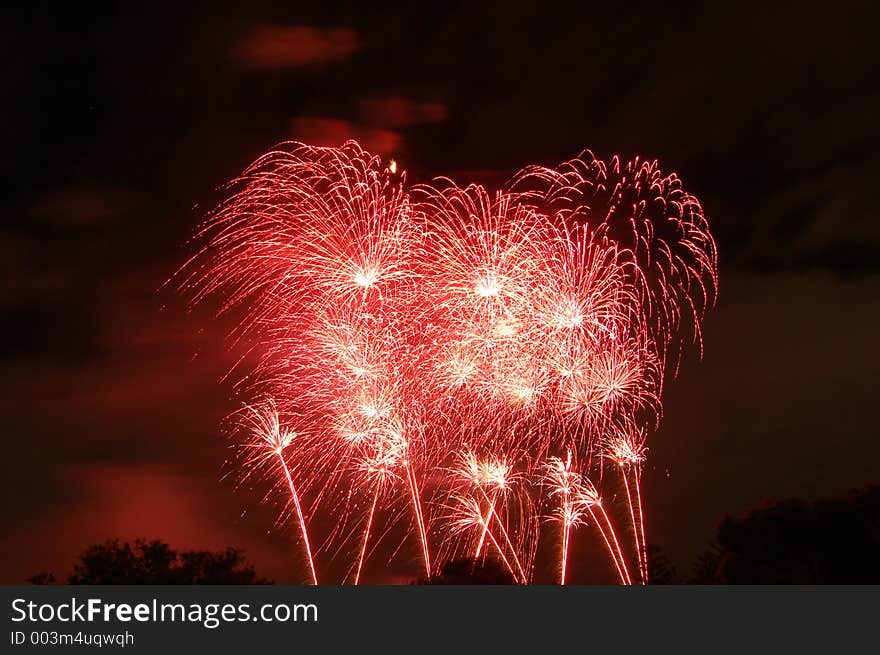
column 461, row 363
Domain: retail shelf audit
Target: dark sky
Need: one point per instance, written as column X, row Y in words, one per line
column 117, row 129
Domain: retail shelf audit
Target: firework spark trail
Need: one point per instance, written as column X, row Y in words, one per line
column 400, row 324
column 632, row 516
column 510, row 545
column 626, row 449
column 617, row 548
column 620, row 570
column 569, row 519
column 644, row 549
column 300, row 517
column 468, row 514
column 503, row 556
column 270, row 441
column 478, row 474
column 488, row 520
column 360, row 565
column 417, row 509
column 561, row 480
column 576, row 494
column 566, row 536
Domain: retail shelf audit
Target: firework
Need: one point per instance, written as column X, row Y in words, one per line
column 268, row 441
column 448, row 358
column 577, row 497
column 658, row 228
column 626, row 448
column 490, row 480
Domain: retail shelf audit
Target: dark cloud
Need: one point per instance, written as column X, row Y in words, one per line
column 73, row 207
column 845, row 259
column 379, row 126
column 401, row 111
column 295, row 46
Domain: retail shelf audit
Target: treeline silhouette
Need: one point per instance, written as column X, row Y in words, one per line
column 832, row 541
column 487, row 571
column 155, row 562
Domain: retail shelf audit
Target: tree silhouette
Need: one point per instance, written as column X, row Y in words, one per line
column 470, row 572
column 707, row 564
column 799, row 542
column 154, row 562
column 661, row 570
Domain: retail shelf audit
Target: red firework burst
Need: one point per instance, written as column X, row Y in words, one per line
column 447, row 356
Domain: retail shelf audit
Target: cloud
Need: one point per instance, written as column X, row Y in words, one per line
column 273, row 47
column 380, row 121
column 399, row 111
column 323, row 131
column 82, row 206
column 821, row 221
column 845, row 259
column 27, row 283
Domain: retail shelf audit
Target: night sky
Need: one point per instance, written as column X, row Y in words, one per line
column 117, row 130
